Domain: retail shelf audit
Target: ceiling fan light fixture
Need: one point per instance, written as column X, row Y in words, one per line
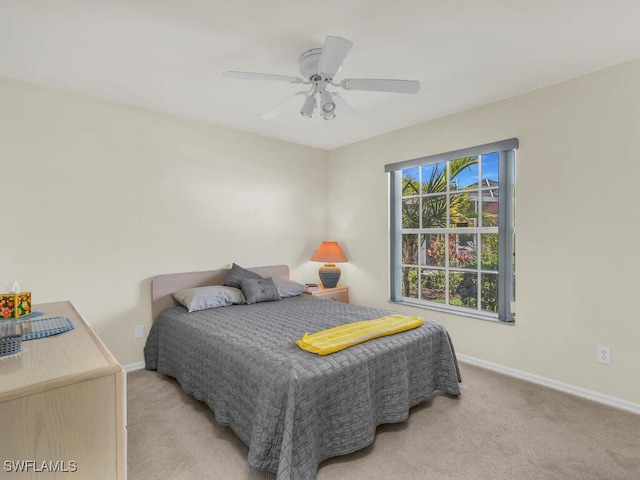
column 309, row 106
column 328, row 105
column 328, row 115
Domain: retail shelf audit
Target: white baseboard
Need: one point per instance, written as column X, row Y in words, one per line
column 547, row 382
column 132, row 367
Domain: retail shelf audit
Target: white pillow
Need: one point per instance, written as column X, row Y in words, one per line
column 202, row 298
column 288, row 288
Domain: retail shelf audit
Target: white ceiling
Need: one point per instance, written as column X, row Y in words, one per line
column 169, row 55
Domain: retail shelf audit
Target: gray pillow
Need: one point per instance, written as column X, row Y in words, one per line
column 288, row 288
column 257, row 290
column 236, row 274
column 202, row 298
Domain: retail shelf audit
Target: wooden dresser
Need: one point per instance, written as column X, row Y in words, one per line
column 63, row 406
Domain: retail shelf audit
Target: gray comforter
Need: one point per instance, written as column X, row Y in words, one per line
column 292, row 408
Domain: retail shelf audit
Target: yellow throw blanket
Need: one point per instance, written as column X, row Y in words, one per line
column 338, row 338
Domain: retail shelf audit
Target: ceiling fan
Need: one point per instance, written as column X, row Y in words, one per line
column 318, row 66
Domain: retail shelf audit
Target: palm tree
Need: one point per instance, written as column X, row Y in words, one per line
column 433, row 211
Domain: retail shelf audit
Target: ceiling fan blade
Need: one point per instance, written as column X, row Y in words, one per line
column 334, row 52
column 262, row 76
column 295, row 99
column 381, row 85
column 344, row 110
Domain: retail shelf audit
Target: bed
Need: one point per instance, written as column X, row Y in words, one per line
column 293, row 409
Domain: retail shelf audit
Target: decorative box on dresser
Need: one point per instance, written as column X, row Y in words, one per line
column 339, row 293
column 63, row 406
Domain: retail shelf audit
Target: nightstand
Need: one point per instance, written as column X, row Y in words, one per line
column 339, row 293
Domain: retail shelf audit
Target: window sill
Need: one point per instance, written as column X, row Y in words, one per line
column 451, row 311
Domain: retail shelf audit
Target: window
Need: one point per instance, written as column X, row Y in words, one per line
column 452, row 231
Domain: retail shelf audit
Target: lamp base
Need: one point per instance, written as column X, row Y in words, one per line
column 329, row 275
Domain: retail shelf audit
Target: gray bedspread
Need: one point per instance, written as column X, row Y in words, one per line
column 292, row 408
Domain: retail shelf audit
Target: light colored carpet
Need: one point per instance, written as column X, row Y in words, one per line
column 501, row 428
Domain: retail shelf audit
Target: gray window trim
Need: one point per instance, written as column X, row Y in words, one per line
column 505, row 237
column 506, row 149
column 395, row 218
column 503, row 145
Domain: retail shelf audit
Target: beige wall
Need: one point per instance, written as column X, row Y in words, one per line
column 578, row 261
column 97, row 198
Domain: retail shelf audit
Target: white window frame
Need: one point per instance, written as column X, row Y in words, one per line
column 506, row 177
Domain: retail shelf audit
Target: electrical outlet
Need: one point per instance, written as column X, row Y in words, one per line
column 604, row 355
column 139, row 332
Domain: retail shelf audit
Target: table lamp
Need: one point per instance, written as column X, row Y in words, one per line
column 330, row 253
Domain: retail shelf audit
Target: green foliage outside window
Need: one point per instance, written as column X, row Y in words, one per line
column 433, row 260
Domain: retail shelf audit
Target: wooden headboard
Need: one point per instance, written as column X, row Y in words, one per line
column 163, row 286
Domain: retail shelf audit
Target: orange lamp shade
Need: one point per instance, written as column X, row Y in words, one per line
column 329, row 252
